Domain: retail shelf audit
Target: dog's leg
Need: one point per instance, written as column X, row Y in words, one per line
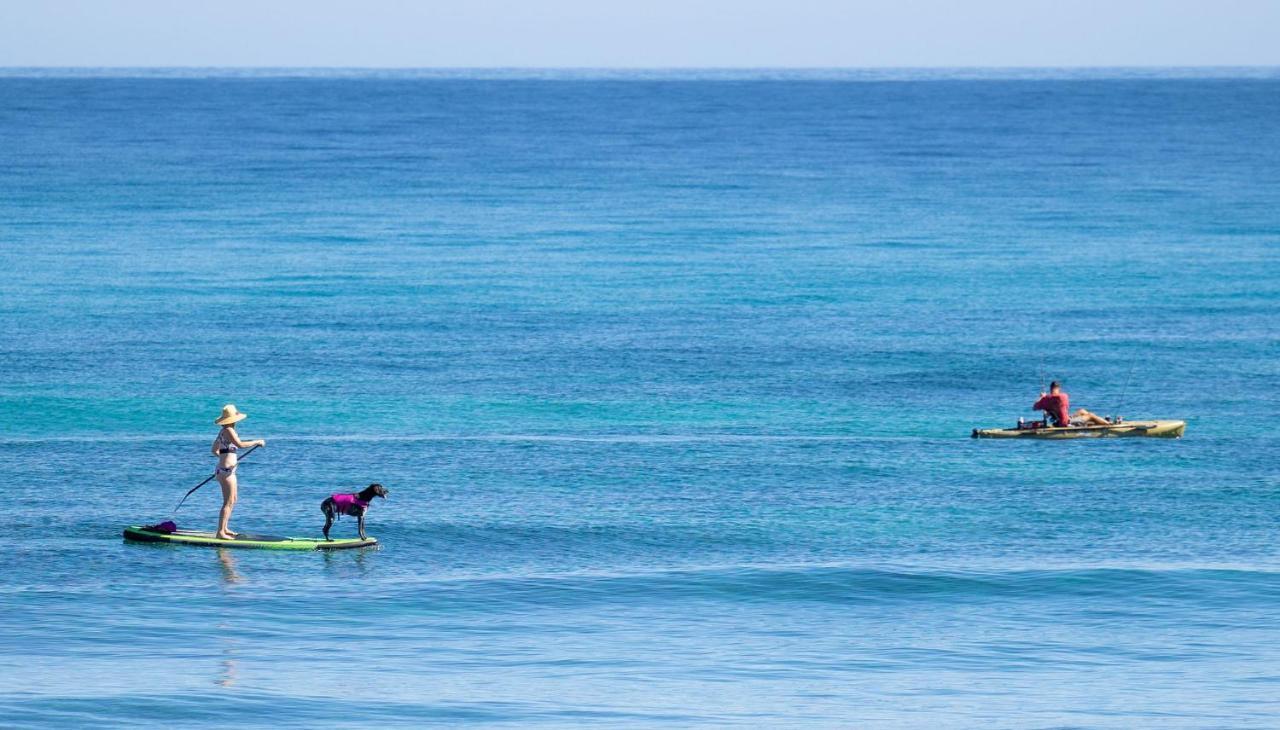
column 327, row 507
column 360, row 525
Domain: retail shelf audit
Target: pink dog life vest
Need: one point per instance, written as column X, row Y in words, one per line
column 346, row 503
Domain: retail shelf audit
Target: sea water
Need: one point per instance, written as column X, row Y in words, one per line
column 671, row 378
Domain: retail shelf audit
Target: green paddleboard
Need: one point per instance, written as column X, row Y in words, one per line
column 243, row 540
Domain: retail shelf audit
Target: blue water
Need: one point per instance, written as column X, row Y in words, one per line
column 671, row 379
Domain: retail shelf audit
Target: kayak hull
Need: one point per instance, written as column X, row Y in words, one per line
column 1128, row 429
column 244, row 541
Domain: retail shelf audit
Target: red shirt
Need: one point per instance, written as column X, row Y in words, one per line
column 1054, row 405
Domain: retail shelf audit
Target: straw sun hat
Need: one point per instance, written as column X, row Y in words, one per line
column 230, row 415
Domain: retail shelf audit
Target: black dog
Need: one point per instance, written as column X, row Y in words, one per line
column 354, row 505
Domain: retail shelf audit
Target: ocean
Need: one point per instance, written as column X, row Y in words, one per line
column 671, row 377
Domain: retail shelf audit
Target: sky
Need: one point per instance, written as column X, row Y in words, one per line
column 639, row 33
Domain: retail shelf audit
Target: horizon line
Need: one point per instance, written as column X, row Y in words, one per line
column 709, row 73
column 653, row 68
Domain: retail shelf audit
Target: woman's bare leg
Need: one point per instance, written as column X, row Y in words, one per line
column 228, row 483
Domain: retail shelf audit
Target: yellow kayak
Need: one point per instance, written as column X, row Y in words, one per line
column 1152, row 429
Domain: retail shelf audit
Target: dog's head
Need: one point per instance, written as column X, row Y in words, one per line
column 373, row 490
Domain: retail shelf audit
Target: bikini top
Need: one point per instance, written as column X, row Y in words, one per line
column 224, row 443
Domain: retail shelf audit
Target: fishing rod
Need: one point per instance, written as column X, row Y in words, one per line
column 1125, row 391
column 206, row 481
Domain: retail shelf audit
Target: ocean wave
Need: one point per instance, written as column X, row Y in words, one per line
column 1108, row 590
column 266, row 709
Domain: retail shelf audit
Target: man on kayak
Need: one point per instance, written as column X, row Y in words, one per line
column 1056, row 405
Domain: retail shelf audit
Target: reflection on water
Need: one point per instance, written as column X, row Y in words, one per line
column 340, row 561
column 230, row 575
column 227, row 673
column 228, row 667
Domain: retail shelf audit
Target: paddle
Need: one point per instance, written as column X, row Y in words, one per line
column 206, row 481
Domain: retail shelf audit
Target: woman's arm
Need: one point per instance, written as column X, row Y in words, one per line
column 235, row 439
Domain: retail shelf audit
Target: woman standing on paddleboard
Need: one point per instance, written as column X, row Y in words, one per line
column 224, row 447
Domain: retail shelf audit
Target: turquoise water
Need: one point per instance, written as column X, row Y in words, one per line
column 670, row 378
